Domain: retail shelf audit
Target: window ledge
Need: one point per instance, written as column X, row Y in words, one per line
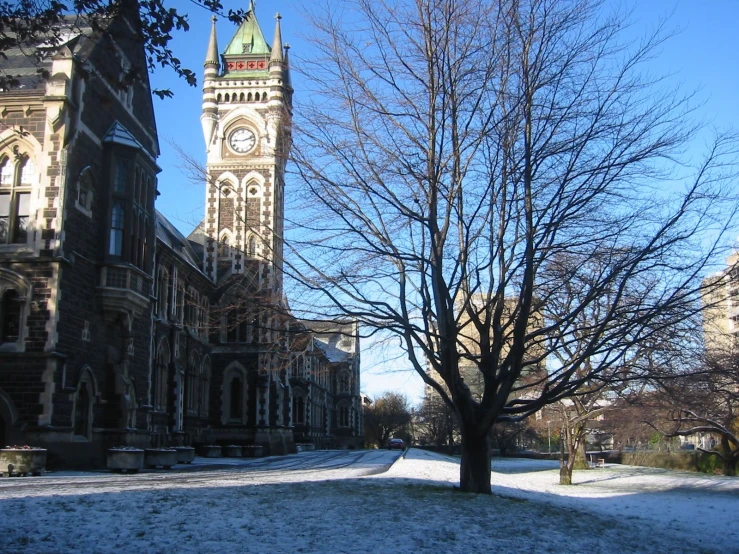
column 16, row 248
column 84, row 209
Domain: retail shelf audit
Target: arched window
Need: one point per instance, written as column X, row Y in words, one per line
column 343, row 414
column 241, row 97
column 234, row 395
column 10, row 316
column 252, row 248
column 224, row 250
column 228, row 97
column 345, row 382
column 27, row 171
column 162, row 298
column 300, row 367
column 298, row 409
column 249, row 97
column 17, row 176
column 7, row 172
column 240, row 319
column 85, row 186
column 205, row 388
column 236, row 387
column 192, row 384
column 15, row 292
column 161, row 374
column 83, row 408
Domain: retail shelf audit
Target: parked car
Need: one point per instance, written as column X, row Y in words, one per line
column 396, row 444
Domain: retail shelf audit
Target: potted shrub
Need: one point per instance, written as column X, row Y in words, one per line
column 210, row 451
column 125, row 458
column 232, row 451
column 185, row 454
column 165, row 457
column 22, row 460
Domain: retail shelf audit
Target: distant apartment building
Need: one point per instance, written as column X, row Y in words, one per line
column 720, row 308
column 469, row 345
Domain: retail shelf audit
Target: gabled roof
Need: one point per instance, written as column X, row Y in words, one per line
column 337, row 339
column 171, row 237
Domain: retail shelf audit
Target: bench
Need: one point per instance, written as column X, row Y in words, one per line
column 597, row 462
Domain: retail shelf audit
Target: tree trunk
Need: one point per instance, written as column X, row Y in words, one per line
column 729, row 466
column 581, row 458
column 728, row 457
column 474, row 471
column 565, row 474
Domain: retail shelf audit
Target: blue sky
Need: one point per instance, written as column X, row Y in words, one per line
column 703, row 56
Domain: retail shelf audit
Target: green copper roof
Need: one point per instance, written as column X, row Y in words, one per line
column 248, row 38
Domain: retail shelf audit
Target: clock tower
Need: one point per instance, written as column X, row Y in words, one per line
column 247, row 111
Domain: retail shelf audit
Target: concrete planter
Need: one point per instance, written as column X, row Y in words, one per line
column 130, row 460
column 233, row 451
column 22, row 461
column 253, row 451
column 210, row 451
column 165, row 457
column 185, row 454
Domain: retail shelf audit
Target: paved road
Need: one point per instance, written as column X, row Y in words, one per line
column 321, row 464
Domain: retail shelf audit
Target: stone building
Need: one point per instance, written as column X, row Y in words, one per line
column 114, row 327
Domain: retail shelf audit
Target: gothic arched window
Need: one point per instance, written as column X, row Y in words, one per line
column 343, row 414
column 234, row 399
column 205, row 388
column 17, row 175
column 10, row 316
column 161, row 374
column 83, row 408
column 298, row 409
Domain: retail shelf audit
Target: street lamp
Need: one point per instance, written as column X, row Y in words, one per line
column 549, row 435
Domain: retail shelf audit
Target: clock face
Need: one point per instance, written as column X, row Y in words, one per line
column 242, row 140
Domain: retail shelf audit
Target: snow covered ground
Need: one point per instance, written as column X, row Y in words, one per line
column 339, row 503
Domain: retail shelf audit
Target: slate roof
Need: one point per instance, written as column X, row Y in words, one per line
column 28, row 62
column 337, row 339
column 171, row 237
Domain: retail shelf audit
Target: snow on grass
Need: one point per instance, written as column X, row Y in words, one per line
column 410, row 508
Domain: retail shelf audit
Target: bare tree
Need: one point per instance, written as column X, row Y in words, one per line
column 387, row 415
column 705, row 403
column 437, row 423
column 452, row 150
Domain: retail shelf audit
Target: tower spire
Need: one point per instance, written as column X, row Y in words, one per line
column 286, row 63
column 276, row 56
column 211, row 57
